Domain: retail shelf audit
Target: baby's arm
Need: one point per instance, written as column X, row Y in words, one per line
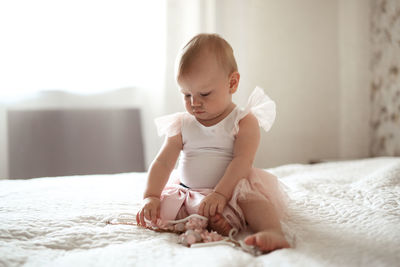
column 245, row 148
column 160, row 170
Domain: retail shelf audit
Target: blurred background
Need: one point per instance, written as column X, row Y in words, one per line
column 331, row 66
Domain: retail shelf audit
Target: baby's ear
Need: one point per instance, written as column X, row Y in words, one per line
column 234, row 82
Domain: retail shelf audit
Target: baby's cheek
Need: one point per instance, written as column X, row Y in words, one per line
column 188, row 108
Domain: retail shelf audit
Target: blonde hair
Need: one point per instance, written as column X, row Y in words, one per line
column 214, row 44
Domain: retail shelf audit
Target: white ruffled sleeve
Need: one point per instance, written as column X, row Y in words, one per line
column 169, row 125
column 262, row 107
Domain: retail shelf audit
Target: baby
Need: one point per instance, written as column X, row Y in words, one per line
column 217, row 143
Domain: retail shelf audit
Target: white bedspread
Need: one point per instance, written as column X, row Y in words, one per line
column 342, row 214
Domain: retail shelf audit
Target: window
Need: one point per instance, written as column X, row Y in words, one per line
column 81, row 45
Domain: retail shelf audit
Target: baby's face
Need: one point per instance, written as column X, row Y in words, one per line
column 207, row 90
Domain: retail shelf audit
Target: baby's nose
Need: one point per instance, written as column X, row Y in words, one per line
column 195, row 102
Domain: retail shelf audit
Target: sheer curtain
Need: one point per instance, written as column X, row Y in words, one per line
column 82, row 46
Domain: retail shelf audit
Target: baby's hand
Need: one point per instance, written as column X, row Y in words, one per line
column 150, row 211
column 212, row 204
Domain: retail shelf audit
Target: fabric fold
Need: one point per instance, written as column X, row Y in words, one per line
column 169, row 125
column 262, row 107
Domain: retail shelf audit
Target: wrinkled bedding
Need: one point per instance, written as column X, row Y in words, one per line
column 341, row 214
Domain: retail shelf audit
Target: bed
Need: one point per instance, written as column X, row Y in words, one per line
column 341, row 214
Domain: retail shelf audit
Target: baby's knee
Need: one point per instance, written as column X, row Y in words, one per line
column 249, row 197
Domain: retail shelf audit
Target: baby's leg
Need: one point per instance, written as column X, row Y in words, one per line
column 263, row 219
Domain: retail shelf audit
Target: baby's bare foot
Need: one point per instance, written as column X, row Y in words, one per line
column 267, row 240
column 219, row 224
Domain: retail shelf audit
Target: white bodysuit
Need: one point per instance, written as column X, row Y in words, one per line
column 207, row 151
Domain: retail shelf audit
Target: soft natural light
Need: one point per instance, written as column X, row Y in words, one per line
column 80, row 45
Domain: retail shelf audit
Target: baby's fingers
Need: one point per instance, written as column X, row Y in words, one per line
column 153, row 215
column 137, row 218
column 213, row 208
column 147, row 214
column 220, row 208
column 141, row 218
column 206, row 210
column 201, row 209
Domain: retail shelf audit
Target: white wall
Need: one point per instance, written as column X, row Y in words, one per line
column 3, row 144
column 355, row 78
column 290, row 48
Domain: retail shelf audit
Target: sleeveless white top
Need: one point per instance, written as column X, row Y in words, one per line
column 208, row 150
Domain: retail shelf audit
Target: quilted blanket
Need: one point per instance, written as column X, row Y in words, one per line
column 340, row 214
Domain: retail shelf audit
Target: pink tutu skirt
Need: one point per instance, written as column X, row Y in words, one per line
column 178, row 201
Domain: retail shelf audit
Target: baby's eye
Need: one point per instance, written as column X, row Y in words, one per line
column 205, row 94
column 186, row 96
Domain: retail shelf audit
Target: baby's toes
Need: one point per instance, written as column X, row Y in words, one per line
column 267, row 241
column 250, row 240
